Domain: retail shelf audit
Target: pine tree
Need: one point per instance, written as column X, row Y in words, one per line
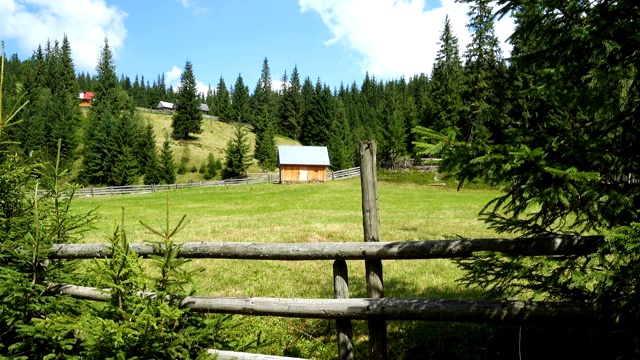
column 393, row 136
column 317, row 115
column 483, row 67
column 342, row 148
column 222, row 106
column 64, row 114
column 264, row 120
column 188, row 116
column 240, row 110
column 447, row 85
column 167, row 168
column 291, row 107
column 237, row 157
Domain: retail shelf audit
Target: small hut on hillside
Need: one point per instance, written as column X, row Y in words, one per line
column 165, row 106
column 303, row 163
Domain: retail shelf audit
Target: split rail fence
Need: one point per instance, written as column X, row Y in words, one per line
column 376, row 309
column 258, row 178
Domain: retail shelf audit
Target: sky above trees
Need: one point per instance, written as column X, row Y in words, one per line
column 335, row 40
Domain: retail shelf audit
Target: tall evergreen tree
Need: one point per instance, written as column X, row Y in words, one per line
column 264, row 120
column 290, row 111
column 317, row 120
column 240, row 108
column 167, row 167
column 393, row 135
column 188, row 116
column 483, row 67
column 341, row 145
column 64, row 112
column 222, row 105
column 237, row 157
column 447, row 85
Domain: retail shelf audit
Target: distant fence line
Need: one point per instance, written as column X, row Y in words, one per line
column 253, row 178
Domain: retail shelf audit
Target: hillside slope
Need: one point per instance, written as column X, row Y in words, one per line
column 214, row 137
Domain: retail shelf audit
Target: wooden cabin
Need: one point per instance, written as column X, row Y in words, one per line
column 303, row 163
column 85, row 99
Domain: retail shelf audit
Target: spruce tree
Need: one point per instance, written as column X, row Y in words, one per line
column 393, row 136
column 167, row 168
column 237, row 157
column 240, row 110
column 342, row 148
column 317, row 120
column 188, row 116
column 290, row 111
column 222, row 105
column 447, row 85
column 264, row 120
column 483, row 67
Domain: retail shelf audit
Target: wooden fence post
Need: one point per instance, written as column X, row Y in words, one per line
column 343, row 326
column 371, row 225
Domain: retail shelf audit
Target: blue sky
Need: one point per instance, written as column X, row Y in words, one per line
column 335, row 40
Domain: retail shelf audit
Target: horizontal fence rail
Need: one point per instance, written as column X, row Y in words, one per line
column 253, row 178
column 388, row 308
column 433, row 249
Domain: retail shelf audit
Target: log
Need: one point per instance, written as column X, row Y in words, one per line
column 344, row 328
column 371, row 226
column 513, row 312
column 408, row 250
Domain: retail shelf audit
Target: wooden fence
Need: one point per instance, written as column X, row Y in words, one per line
column 376, row 309
column 257, row 178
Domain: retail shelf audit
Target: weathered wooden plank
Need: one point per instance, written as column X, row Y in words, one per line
column 344, row 328
column 233, row 355
column 450, row 310
column 351, row 251
column 371, row 226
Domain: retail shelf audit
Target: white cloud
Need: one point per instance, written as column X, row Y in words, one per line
column 395, row 37
column 172, row 78
column 85, row 22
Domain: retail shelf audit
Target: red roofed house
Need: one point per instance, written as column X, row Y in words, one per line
column 85, row 99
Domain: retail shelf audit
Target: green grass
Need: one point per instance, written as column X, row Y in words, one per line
column 214, row 137
column 321, row 212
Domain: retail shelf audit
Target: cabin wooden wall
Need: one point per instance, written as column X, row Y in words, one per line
column 303, row 173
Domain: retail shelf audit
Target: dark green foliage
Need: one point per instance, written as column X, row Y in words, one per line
column 111, row 135
column 341, row 146
column 393, row 136
column 222, row 103
column 447, row 85
column 188, row 116
column 482, row 118
column 183, row 167
column 264, row 121
column 212, row 167
column 167, row 168
column 240, row 109
column 237, row 157
column 317, row 114
column 561, row 158
column 290, row 110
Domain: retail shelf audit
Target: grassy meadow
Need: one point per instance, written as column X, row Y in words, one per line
column 320, row 212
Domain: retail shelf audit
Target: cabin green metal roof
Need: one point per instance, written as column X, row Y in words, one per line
column 303, row 155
